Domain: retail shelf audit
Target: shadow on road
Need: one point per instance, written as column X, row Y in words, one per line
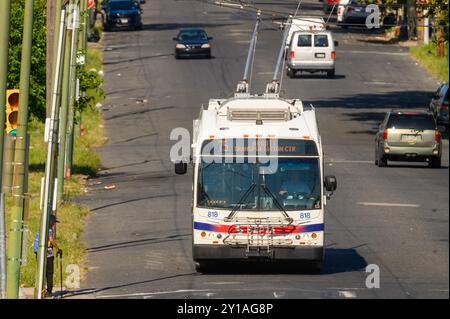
column 176, row 26
column 391, row 100
column 90, row 291
column 336, row 261
column 140, row 242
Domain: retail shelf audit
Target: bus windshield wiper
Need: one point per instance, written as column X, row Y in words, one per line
column 277, row 203
column 240, row 202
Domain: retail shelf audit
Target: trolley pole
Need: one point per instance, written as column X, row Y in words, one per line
column 5, row 12
column 15, row 237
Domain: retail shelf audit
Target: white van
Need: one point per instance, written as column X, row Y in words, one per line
column 311, row 52
column 304, row 24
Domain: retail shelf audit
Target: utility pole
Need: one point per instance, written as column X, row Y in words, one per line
column 65, row 100
column 73, row 87
column 5, row 12
column 15, row 237
column 50, row 30
column 51, row 158
column 411, row 18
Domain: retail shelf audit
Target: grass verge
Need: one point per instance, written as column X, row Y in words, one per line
column 426, row 56
column 86, row 163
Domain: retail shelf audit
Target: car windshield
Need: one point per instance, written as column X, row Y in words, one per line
column 295, row 184
column 192, row 35
column 412, row 122
column 122, row 5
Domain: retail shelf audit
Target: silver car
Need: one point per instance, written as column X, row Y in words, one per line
column 408, row 136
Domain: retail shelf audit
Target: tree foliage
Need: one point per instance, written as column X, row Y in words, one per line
column 38, row 70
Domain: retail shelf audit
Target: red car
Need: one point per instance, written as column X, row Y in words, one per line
column 328, row 5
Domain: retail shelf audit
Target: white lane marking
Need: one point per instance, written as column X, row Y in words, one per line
column 235, row 34
column 388, row 204
column 373, row 52
column 279, row 294
column 378, row 83
column 346, row 294
column 241, row 30
column 142, row 294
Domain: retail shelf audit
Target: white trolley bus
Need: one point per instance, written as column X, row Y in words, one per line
column 259, row 188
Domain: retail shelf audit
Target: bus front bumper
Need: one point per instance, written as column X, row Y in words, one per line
column 240, row 253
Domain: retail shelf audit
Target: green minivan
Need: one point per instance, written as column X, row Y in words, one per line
column 408, row 136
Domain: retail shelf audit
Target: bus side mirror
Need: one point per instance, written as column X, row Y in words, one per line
column 180, row 168
column 330, row 183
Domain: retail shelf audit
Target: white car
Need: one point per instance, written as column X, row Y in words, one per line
column 312, row 52
column 341, row 9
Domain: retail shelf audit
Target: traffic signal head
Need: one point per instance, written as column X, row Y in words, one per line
column 12, row 110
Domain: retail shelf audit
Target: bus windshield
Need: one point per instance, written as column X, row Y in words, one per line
column 295, row 184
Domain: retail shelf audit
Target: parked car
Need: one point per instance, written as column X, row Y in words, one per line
column 192, row 42
column 122, row 13
column 408, row 136
column 329, row 4
column 312, row 52
column 439, row 104
column 355, row 13
column 340, row 10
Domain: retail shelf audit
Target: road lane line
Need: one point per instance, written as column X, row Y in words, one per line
column 374, row 52
column 142, row 294
column 388, row 204
column 346, row 294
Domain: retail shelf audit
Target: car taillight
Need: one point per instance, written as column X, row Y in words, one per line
column 350, row 9
column 444, row 106
column 333, row 55
column 292, row 54
column 385, row 134
column 437, row 135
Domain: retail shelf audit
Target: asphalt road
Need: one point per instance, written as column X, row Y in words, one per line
column 139, row 234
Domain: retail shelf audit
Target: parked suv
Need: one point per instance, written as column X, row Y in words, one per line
column 122, row 13
column 311, row 52
column 408, row 136
column 439, row 104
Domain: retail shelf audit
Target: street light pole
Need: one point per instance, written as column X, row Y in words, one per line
column 15, row 237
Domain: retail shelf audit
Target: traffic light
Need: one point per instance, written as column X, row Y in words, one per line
column 12, row 111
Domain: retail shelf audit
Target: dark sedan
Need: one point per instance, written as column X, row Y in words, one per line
column 193, row 42
column 122, row 13
column 439, row 104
